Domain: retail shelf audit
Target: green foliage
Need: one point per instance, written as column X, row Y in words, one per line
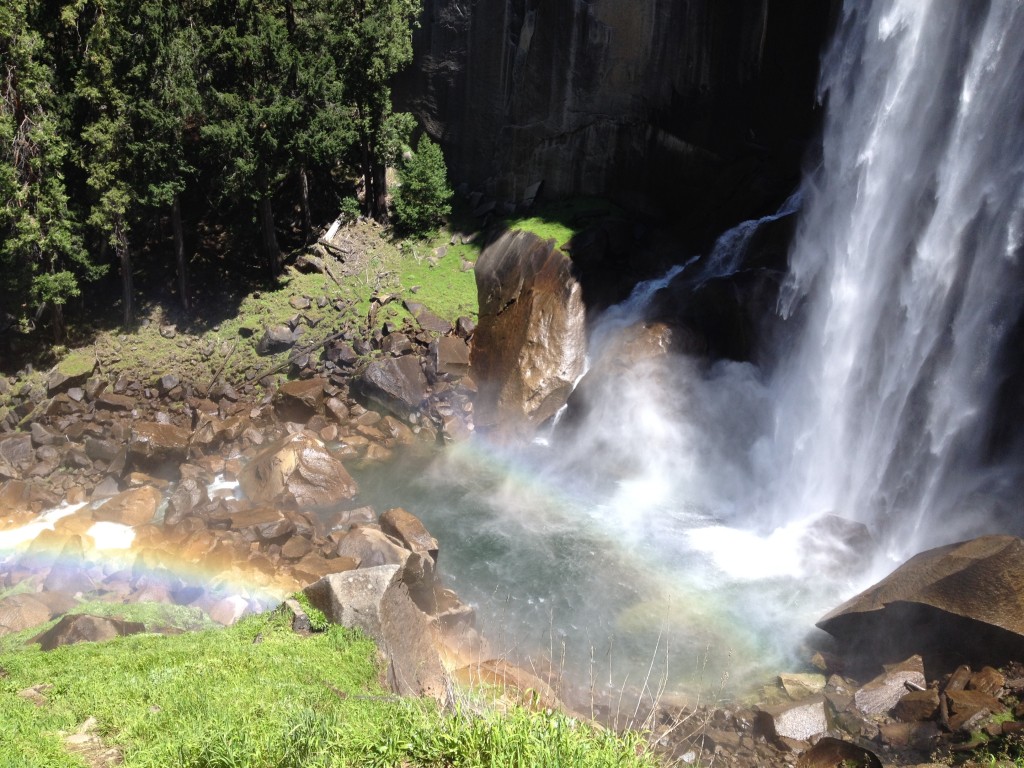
column 256, row 695
column 560, row 220
column 318, row 621
column 424, row 197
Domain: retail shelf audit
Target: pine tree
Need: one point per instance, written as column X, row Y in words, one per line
column 42, row 256
column 424, row 196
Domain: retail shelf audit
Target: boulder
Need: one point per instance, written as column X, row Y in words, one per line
column 263, row 524
column 111, row 401
column 22, row 611
column 73, row 372
column 917, row 705
column 881, row 694
column 963, row 601
column 530, row 344
column 800, row 721
column 276, row 338
column 409, row 530
column 376, row 600
column 296, row 470
column 152, row 441
column 397, row 383
column 299, row 400
column 17, row 454
column 83, row 628
column 450, row 355
column 133, row 507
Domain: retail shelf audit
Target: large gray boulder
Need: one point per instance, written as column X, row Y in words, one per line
column 397, row 383
column 376, row 600
column 962, row 601
column 529, row 347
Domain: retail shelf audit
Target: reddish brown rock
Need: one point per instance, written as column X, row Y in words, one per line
column 530, row 344
column 966, row 706
column 299, row 400
column 917, row 705
column 263, row 524
column 158, row 442
column 409, row 530
column 296, row 470
column 133, row 507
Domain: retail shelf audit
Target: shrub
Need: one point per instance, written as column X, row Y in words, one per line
column 424, row 196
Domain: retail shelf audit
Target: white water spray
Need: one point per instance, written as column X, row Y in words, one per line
column 908, row 262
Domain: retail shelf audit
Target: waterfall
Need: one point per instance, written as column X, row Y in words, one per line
column 907, row 272
column 685, row 498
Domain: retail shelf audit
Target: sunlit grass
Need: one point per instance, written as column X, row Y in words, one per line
column 258, row 696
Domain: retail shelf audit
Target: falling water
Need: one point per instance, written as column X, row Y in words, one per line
column 908, row 257
column 681, row 506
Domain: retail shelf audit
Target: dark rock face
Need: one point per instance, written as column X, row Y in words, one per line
column 530, row 344
column 963, row 599
column 655, row 101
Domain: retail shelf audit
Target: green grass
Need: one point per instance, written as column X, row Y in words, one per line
column 560, row 220
column 257, row 696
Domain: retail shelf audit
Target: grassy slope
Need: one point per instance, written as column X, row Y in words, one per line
column 256, row 695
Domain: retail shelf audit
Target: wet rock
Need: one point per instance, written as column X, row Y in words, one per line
column 83, row 628
column 881, row 694
column 464, row 327
column 409, row 530
column 15, row 498
column 530, row 344
column 153, row 441
column 296, row 470
column 964, row 600
column 263, row 524
column 377, row 601
column 314, row 567
column 186, row 496
column 397, row 383
column 133, row 507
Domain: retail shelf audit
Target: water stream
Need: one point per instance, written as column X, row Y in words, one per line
column 677, row 523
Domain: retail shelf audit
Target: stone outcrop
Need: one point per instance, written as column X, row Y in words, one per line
column 530, row 344
column 83, row 628
column 296, row 470
column 377, row 601
column 963, row 599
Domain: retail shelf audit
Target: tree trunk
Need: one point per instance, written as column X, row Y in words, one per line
column 179, row 254
column 125, row 258
column 57, row 318
column 380, row 190
column 272, row 252
column 307, row 219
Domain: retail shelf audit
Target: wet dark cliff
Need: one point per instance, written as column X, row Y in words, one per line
column 693, row 108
